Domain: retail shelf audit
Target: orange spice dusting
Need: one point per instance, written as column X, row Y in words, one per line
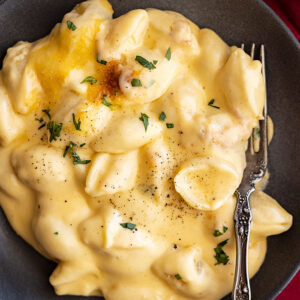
column 107, row 81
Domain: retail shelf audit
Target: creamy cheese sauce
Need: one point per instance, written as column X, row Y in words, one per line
column 156, row 114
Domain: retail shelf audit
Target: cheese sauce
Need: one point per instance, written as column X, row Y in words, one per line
column 122, row 142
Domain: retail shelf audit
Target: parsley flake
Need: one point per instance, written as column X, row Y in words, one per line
column 145, row 63
column 170, row 125
column 116, row 93
column 47, row 112
column 76, row 124
column 128, row 225
column 145, row 119
column 89, row 79
column 217, row 232
column 162, row 116
column 41, row 120
column 221, row 256
column 178, row 277
column 43, row 125
column 56, row 233
column 105, row 102
column 101, row 61
column 225, row 229
column 66, row 151
column 81, row 145
column 76, row 158
column 136, row 82
column 168, row 54
column 71, row 25
column 211, row 103
column 54, row 129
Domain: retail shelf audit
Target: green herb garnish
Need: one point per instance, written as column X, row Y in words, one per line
column 170, row 125
column 145, row 63
column 155, row 62
column 81, row 145
column 66, row 151
column 47, row 112
column 76, row 124
column 136, row 82
column 178, row 277
column 56, row 233
column 101, row 61
column 168, row 54
column 43, row 125
column 89, row 79
column 145, row 119
column 162, row 116
column 221, row 256
column 116, row 93
column 128, row 225
column 105, row 102
column 217, row 232
column 71, row 25
column 41, row 120
column 76, row 158
column 211, row 103
column 54, row 129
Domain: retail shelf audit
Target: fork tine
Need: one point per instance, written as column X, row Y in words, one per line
column 263, row 147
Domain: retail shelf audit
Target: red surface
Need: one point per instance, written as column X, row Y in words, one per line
column 289, row 12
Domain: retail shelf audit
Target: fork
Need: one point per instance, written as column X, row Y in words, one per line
column 254, row 172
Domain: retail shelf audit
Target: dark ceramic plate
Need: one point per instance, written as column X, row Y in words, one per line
column 24, row 273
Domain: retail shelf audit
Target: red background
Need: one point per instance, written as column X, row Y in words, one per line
column 289, row 12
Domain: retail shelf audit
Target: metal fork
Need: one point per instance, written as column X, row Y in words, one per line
column 254, row 172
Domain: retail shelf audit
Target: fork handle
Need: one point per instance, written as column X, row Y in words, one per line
column 242, row 219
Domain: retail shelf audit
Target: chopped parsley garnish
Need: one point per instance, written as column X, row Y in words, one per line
column 41, row 120
column 105, row 102
column 170, row 125
column 54, row 129
column 155, row 62
column 211, row 103
column 71, row 25
column 178, row 277
column 136, row 82
column 162, row 116
column 217, row 232
column 221, row 256
column 56, row 233
column 128, row 225
column 145, row 63
column 101, row 61
column 76, row 124
column 168, row 54
column 76, row 158
column 47, row 112
column 145, row 119
column 66, row 151
column 89, row 79
column 81, row 145
column 43, row 125
column 116, row 93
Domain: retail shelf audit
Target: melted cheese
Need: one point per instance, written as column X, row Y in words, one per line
column 175, row 184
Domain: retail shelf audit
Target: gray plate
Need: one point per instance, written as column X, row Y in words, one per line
column 24, row 273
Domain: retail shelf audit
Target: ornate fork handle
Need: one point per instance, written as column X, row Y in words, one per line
column 243, row 217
